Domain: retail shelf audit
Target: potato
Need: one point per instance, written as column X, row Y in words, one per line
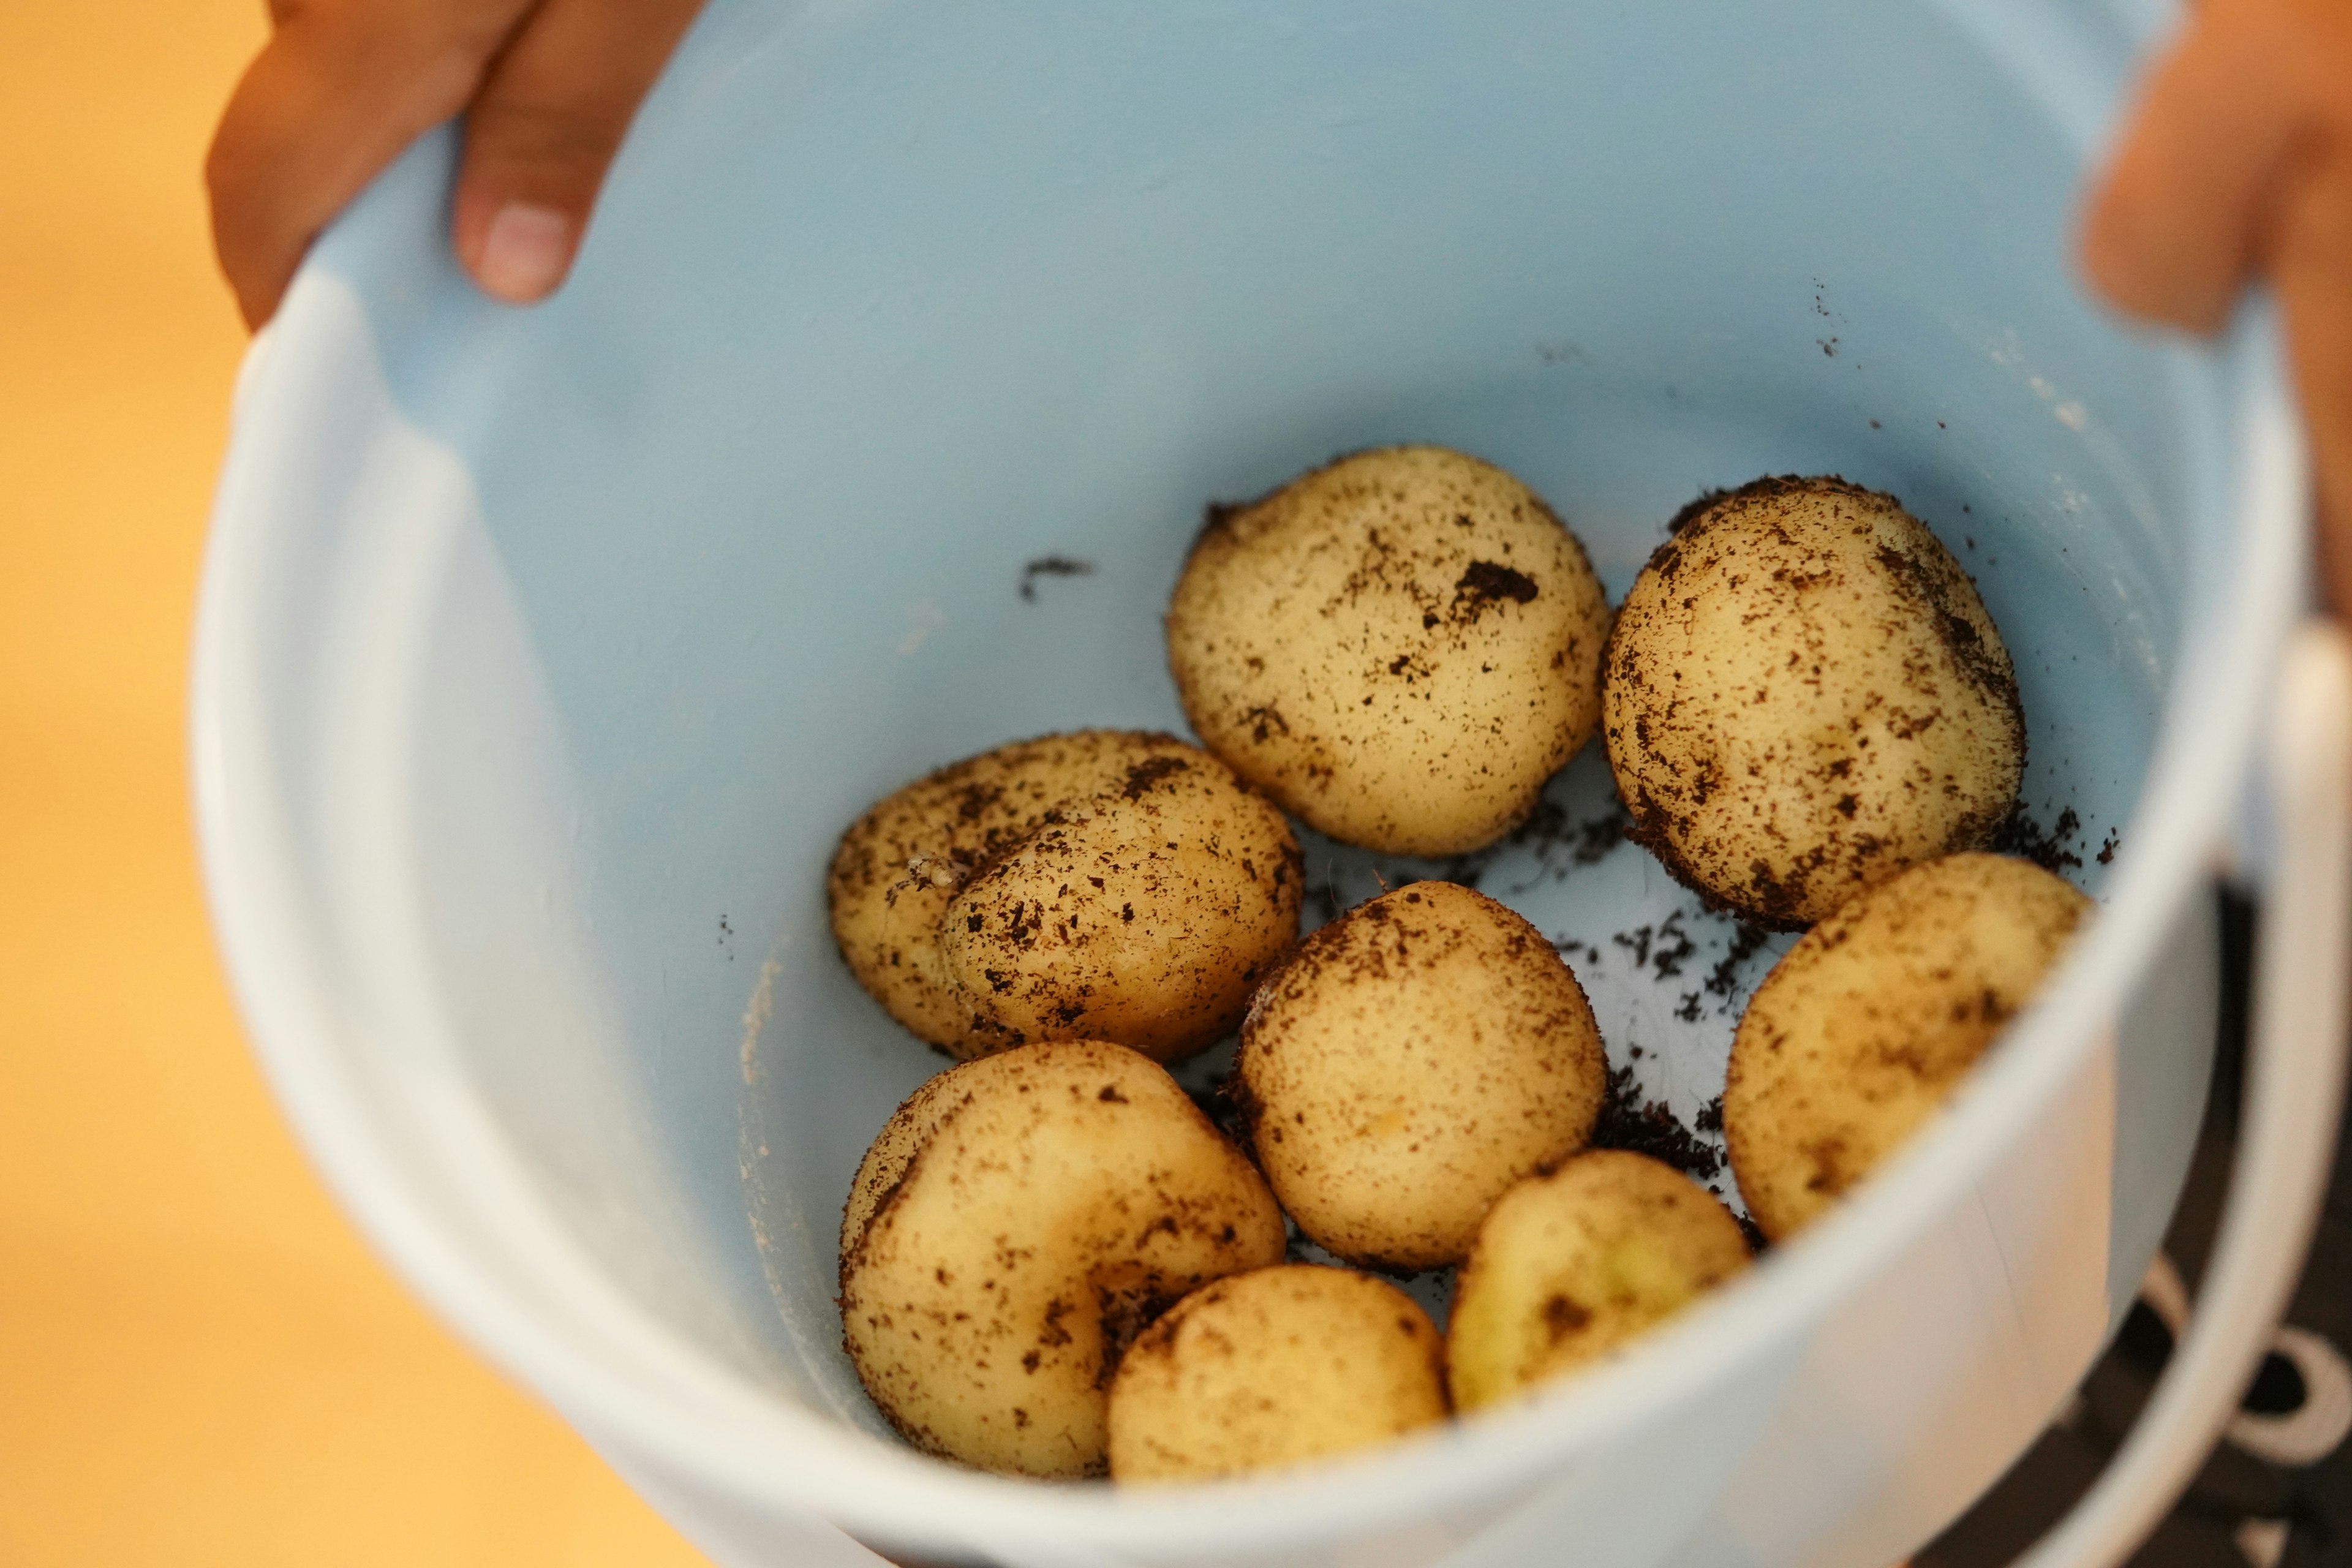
column 1274, row 1368
column 1020, row 1219
column 1864, row 1025
column 1802, row 696
column 1407, row 1064
column 1182, row 886
column 1145, row 916
column 1571, row 1266
column 1400, row 648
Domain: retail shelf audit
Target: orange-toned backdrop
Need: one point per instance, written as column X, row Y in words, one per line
column 199, row 1362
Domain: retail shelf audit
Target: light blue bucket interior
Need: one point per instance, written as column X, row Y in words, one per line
column 887, row 300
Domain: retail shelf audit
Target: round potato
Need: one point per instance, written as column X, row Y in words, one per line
column 1020, row 1219
column 1802, row 696
column 1145, row 915
column 1274, row 1368
column 1408, row 1063
column 1400, row 648
column 1181, row 887
column 1571, row 1265
column 1864, row 1025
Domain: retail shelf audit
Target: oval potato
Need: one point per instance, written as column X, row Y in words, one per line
column 1865, row 1026
column 1209, row 913
column 1145, row 916
column 1802, row 696
column 1021, row 1218
column 1407, row 1064
column 1571, row 1266
column 1400, row 648
column 1274, row 1368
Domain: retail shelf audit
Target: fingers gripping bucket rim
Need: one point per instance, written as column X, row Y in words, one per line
column 337, row 982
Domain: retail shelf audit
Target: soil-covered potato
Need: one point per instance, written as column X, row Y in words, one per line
column 1400, row 647
column 1107, row 884
column 1803, row 695
column 1571, row 1266
column 1145, row 916
column 1274, row 1368
column 1019, row 1220
column 1864, row 1026
column 1408, row 1063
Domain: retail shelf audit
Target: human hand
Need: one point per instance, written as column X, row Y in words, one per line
column 547, row 89
column 2238, row 162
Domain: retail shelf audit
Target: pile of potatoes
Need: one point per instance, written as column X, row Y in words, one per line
column 1053, row 1264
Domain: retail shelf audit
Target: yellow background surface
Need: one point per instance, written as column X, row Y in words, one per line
column 199, row 1361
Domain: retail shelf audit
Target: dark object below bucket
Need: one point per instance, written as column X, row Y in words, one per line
column 2289, row 1508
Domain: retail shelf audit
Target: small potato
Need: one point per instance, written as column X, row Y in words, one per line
column 1400, row 648
column 1014, row 1226
column 1864, row 1025
column 1802, row 696
column 1274, row 1368
column 1181, row 886
column 1407, row 1064
column 1145, row 916
column 1571, row 1265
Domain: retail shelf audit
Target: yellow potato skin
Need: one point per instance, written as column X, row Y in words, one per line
column 1024, row 1216
column 1407, row 1064
column 1146, row 916
column 1802, row 696
column 1274, row 1368
column 1220, row 908
column 903, row 1136
column 1399, row 648
column 1866, row 1024
column 1573, row 1266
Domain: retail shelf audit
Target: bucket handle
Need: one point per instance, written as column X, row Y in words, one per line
column 2287, row 1132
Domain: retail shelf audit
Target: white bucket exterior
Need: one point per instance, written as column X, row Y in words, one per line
column 542, row 656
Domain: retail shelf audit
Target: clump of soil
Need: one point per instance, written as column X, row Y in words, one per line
column 1644, row 1126
column 1665, row 947
column 1558, row 841
column 1222, row 1104
column 2051, row 849
column 1051, row 566
column 1724, row 978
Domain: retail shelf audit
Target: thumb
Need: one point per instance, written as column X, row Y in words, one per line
column 2310, row 260
column 2174, row 226
column 539, row 137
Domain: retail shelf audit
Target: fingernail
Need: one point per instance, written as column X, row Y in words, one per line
column 524, row 254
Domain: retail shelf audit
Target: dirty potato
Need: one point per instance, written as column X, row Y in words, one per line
column 1802, row 696
column 1864, row 1025
column 1571, row 1266
column 900, row 864
column 1198, row 910
column 1407, row 1064
column 1145, row 915
column 1274, row 1368
column 1400, row 648
column 1021, row 1218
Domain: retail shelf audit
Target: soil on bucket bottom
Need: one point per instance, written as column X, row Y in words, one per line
column 1644, row 1126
